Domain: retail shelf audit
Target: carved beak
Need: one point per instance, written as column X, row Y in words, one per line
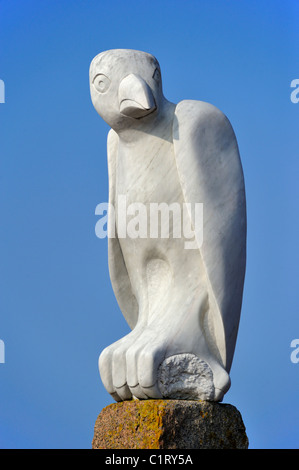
column 135, row 97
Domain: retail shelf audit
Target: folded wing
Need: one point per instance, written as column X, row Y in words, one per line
column 210, row 172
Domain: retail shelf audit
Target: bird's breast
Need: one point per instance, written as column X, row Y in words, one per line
column 147, row 173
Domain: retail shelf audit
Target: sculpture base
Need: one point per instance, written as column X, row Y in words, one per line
column 169, row 424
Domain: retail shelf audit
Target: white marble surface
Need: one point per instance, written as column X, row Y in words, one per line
column 183, row 305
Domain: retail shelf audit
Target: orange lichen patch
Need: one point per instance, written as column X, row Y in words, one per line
column 150, row 423
column 132, row 424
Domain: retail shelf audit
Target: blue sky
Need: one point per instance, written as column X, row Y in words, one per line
column 58, row 311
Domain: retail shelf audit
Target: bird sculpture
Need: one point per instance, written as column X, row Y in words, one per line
column 181, row 296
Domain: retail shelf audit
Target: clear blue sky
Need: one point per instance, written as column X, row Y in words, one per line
column 58, row 310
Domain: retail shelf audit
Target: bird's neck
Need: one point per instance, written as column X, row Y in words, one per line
column 158, row 124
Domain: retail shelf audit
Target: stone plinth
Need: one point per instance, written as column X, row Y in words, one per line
column 169, row 424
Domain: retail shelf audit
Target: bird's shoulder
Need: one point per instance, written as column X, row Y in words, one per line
column 112, row 140
column 193, row 115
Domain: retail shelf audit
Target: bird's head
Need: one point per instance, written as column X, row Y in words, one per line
column 125, row 87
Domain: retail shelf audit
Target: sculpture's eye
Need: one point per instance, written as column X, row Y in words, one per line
column 157, row 75
column 101, row 83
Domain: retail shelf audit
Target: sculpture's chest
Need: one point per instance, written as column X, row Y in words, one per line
column 147, row 172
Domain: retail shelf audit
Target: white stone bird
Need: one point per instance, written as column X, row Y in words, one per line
column 183, row 305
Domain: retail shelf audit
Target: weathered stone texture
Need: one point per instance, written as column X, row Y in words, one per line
column 169, row 424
